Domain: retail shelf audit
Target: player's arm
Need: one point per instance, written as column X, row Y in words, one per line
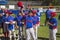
column 49, row 23
column 15, row 19
column 54, row 24
column 11, row 22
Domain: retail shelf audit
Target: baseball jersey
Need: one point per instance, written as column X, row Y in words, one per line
column 8, row 19
column 54, row 22
column 18, row 19
column 29, row 22
column 4, row 18
column 48, row 13
column 14, row 11
column 35, row 19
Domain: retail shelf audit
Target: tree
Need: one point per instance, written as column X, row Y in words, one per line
column 47, row 2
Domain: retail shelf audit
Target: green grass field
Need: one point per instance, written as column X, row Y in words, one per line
column 43, row 32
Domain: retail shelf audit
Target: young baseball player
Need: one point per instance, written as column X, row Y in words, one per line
column 5, row 26
column 9, row 21
column 29, row 26
column 35, row 21
column 19, row 24
column 52, row 26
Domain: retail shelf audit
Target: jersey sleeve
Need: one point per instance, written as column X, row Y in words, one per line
column 15, row 19
column 55, row 23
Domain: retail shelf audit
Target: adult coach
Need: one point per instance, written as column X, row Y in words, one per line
column 47, row 13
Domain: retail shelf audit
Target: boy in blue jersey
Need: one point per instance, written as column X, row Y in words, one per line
column 9, row 21
column 5, row 26
column 35, row 20
column 2, row 22
column 19, row 24
column 52, row 26
column 29, row 26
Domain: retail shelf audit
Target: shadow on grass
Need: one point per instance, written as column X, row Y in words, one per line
column 58, row 35
column 3, row 38
column 42, row 38
column 39, row 38
column 7, row 38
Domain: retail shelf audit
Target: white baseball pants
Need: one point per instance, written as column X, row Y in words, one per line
column 11, row 33
column 30, row 31
column 52, row 34
column 20, row 32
